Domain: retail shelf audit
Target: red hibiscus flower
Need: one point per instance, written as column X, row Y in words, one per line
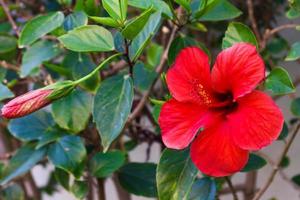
column 219, row 111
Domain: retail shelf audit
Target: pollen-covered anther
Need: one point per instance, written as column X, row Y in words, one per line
column 203, row 94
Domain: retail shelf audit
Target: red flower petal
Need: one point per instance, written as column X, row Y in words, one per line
column 256, row 122
column 238, row 69
column 215, row 154
column 180, row 122
column 189, row 78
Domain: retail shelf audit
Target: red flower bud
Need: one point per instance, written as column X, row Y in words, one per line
column 26, row 103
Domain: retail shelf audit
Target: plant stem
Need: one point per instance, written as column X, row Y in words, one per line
column 130, row 63
column 95, row 71
column 101, row 189
column 9, row 17
column 232, row 189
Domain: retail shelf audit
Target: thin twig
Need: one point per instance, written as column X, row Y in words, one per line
column 253, row 20
column 7, row 65
column 259, row 194
column 10, row 19
column 231, row 187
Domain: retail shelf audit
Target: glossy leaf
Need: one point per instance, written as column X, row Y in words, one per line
column 73, row 112
column 295, row 107
column 105, row 21
column 104, row 164
column 133, row 28
column 159, row 5
column 238, row 32
column 8, row 43
column 294, row 53
column 284, row 132
column 5, row 92
column 31, row 127
column 255, row 162
column 74, row 20
column 217, row 10
column 40, row 26
column 142, row 76
column 139, row 179
column 279, row 82
column 68, row 153
column 39, row 52
column 203, row 189
column 49, row 136
column 112, row 105
column 184, row 3
column 88, row 38
column 117, row 9
column 24, row 159
column 175, row 174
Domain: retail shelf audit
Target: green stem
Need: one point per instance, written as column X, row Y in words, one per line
column 95, row 71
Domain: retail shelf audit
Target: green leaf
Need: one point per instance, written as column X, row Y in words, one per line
column 185, row 4
column 68, row 153
column 5, row 93
column 294, row 53
column 62, row 177
column 285, row 162
column 133, row 28
column 154, row 53
column 217, row 10
column 112, row 105
column 175, row 174
column 49, row 136
column 238, row 32
column 105, row 21
column 88, row 38
column 295, row 107
column 80, row 189
column 80, row 65
column 73, row 112
column 284, row 132
column 142, row 76
column 292, row 13
column 181, row 42
column 158, row 5
column 25, row 158
column 117, row 9
column 156, row 111
column 74, row 20
column 31, row 127
column 255, row 162
column 296, row 179
column 104, row 164
column 139, row 179
column 12, row 192
column 203, row 189
column 39, row 52
column 279, row 82
column 143, row 38
column 40, row 26
column 8, row 43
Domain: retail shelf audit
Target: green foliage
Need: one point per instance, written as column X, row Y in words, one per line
column 294, row 53
column 5, row 92
column 139, row 179
column 117, row 9
column 8, row 43
column 255, row 162
column 12, row 192
column 279, row 82
column 295, row 107
column 284, row 132
column 75, row 20
column 159, row 5
column 112, row 105
column 175, row 175
column 203, row 189
column 40, row 26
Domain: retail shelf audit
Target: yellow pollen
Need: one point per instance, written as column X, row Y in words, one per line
column 203, row 94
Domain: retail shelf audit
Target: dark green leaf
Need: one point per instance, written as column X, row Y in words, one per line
column 133, row 28
column 74, row 20
column 156, row 111
column 142, row 76
column 80, row 189
column 139, row 179
column 217, row 10
column 285, row 162
column 8, row 43
column 105, row 21
column 130, row 145
column 31, row 127
column 112, row 105
column 175, row 174
column 284, row 132
column 294, row 53
column 88, row 38
column 159, row 5
column 39, row 52
column 24, row 159
column 49, row 136
column 12, row 192
column 62, row 177
column 68, row 153
column 203, row 189
column 279, row 82
column 5, row 93
column 255, row 162
column 40, row 26
column 73, row 111
column 296, row 179
column 104, row 164
column 238, row 32
column 295, row 107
